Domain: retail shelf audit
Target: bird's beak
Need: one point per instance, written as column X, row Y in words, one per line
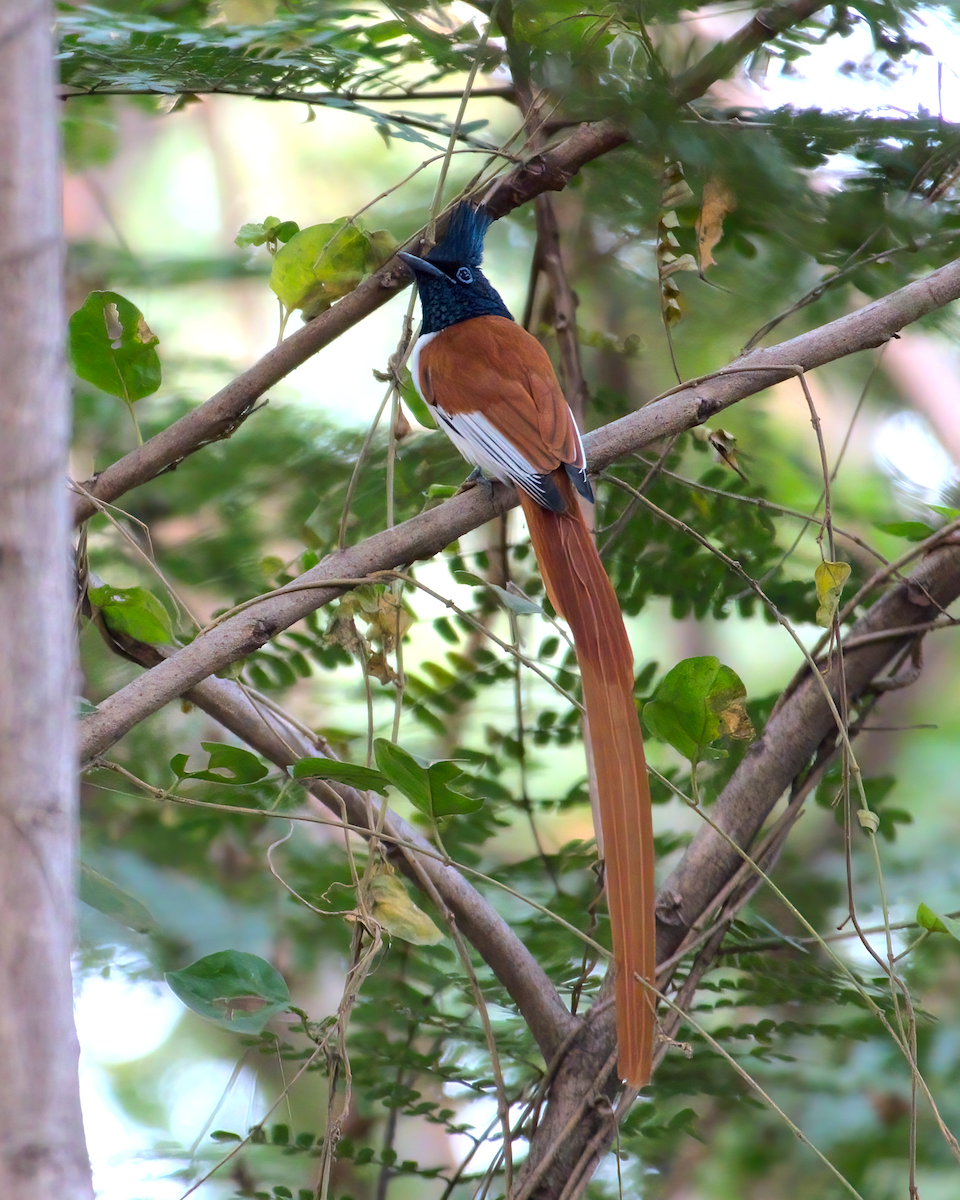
column 419, row 266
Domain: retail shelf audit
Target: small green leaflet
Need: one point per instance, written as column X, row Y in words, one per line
column 425, row 784
column 937, row 923
column 112, row 347
column 233, row 989
column 271, row 229
column 913, row 531
column 324, row 262
column 696, row 702
column 515, row 602
column 104, row 895
column 364, row 778
column 134, row 612
column 241, row 766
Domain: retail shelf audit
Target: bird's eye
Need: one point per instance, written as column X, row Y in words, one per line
column 465, row 275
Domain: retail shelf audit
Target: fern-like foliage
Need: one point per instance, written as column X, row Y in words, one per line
column 315, row 53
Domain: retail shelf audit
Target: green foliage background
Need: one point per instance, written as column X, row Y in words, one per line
column 158, row 187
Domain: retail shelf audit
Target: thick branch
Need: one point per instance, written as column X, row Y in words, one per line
column 425, row 535
column 219, row 416
column 788, row 743
column 565, row 309
column 42, row 1151
column 726, row 56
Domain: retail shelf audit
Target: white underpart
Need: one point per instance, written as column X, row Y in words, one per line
column 478, row 440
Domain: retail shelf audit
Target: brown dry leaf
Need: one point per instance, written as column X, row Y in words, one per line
column 724, row 445
column 401, row 426
column 342, row 631
column 718, row 200
column 380, row 669
column 388, row 620
column 736, row 723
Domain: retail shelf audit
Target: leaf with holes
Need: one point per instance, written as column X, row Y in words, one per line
column 235, row 990
column 241, row 766
column 112, row 347
column 696, row 702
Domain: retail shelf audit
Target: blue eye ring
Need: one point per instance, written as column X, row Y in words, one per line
column 464, row 275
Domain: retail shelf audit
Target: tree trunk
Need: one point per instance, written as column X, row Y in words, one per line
column 42, row 1151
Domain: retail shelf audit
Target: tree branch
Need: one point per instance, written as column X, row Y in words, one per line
column 219, row 416
column 283, row 742
column 725, row 56
column 789, row 742
column 425, row 535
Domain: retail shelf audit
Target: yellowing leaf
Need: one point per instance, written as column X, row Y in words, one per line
column 397, row 913
column 324, row 262
column 830, row 578
column 718, row 200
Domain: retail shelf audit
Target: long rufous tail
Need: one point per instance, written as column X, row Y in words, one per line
column 580, row 590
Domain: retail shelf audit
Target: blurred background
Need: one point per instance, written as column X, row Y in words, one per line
column 155, row 193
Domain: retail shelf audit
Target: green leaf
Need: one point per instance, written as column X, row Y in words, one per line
column 417, row 405
column 517, row 604
column 254, row 233
column 271, row 229
column 913, row 531
column 696, row 702
column 949, row 514
column 104, row 895
column 364, row 778
column 224, row 1135
column 426, row 785
column 134, row 612
column 112, row 347
column 233, row 989
column 242, row 766
column 324, row 262
column 937, row 923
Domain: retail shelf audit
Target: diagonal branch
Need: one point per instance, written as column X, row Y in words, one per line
column 427, row 534
column 550, row 170
column 725, row 56
column 219, row 416
column 283, row 742
column 789, row 742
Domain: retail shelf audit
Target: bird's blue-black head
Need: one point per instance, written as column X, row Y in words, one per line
column 452, row 286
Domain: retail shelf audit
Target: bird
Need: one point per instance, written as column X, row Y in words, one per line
column 491, row 387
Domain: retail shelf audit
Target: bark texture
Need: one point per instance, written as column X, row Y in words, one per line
column 42, row 1151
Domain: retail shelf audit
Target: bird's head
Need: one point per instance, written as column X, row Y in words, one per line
column 452, row 286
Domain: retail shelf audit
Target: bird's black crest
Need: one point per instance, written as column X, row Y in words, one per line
column 463, row 241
